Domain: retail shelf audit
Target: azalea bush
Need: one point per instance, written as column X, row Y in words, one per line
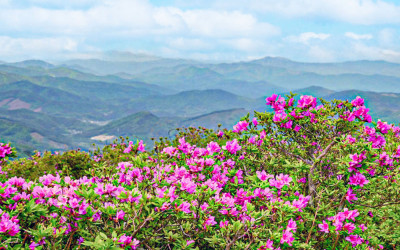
column 309, row 175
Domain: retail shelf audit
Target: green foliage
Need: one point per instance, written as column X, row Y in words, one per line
column 70, row 163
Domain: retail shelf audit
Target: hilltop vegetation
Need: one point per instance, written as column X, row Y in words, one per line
column 311, row 174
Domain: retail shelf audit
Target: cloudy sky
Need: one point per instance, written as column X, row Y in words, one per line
column 302, row 30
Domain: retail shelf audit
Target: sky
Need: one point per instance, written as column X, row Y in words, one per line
column 220, row 30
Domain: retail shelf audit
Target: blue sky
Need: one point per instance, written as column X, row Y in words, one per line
column 227, row 30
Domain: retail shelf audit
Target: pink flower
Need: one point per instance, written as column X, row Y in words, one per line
column 355, row 240
column 270, row 100
column 74, row 203
column 279, row 116
column 350, row 196
column 128, row 241
column 324, row 227
column 120, row 215
column 83, row 207
column 213, row 147
column 188, row 185
column 33, row 245
column 232, row 146
column 255, row 122
column 287, row 237
column 263, row 175
column 358, row 102
column 358, row 180
column 268, row 245
column 189, row 242
column 129, row 148
column 141, row 146
column 384, row 127
column 240, row 126
column 263, row 134
column 9, row 226
column 291, row 225
column 209, row 222
column 184, row 207
column 204, row 206
column 349, row 227
column 307, row 101
column 5, row 150
column 223, row 223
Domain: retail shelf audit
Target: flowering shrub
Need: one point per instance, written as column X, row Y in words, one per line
column 306, row 176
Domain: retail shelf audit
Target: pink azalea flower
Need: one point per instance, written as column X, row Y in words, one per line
column 240, row 126
column 350, row 196
column 184, row 207
column 292, row 226
column 349, row 227
column 232, row 146
column 255, row 122
column 355, row 240
column 358, row 102
column 210, row 221
column 141, row 146
column 358, row 180
column 307, row 101
column 324, row 227
column 287, row 237
column 120, row 215
column 223, row 223
column 263, row 175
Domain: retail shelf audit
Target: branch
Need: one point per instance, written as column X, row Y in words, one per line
column 295, row 156
column 311, row 184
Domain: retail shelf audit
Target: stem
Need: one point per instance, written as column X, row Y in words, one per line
column 336, row 240
column 311, row 184
column 313, row 223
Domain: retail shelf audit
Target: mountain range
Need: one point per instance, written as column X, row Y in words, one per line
column 64, row 105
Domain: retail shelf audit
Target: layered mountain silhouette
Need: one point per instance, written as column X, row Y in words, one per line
column 57, row 106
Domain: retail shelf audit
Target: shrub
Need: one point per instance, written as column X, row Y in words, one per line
column 73, row 163
column 305, row 176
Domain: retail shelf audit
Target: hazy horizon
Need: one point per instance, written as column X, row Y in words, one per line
column 135, row 57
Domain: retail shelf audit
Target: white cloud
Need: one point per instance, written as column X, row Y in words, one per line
column 352, row 11
column 245, row 44
column 19, row 48
column 226, row 24
column 306, row 37
column 358, row 36
column 319, row 54
column 132, row 18
column 363, row 51
column 182, row 43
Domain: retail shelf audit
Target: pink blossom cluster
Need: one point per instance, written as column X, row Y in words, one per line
column 5, row 150
column 240, row 126
column 139, row 147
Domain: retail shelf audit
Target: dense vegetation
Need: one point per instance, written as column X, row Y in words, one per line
column 309, row 175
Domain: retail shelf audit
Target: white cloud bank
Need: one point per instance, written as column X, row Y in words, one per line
column 306, row 37
column 132, row 18
column 358, row 36
column 363, row 12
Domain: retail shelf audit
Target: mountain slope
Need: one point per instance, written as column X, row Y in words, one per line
column 190, row 103
column 25, row 94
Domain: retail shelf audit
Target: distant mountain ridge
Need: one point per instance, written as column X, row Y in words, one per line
column 72, row 104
